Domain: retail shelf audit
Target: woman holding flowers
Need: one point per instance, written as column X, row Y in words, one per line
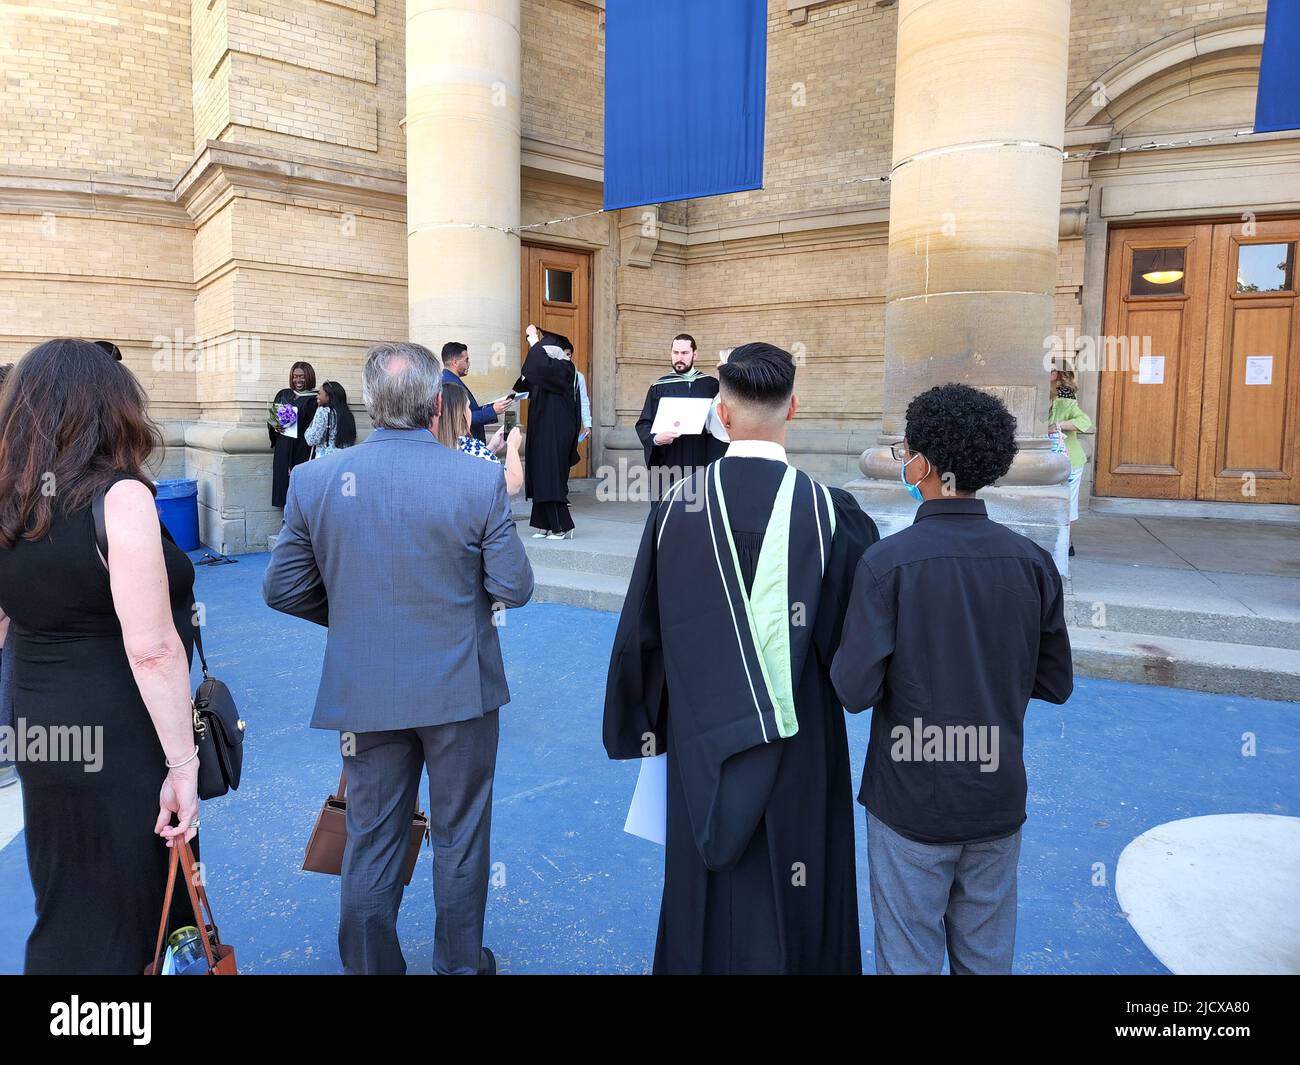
column 287, row 419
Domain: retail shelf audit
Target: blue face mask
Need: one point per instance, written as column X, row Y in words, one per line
column 913, row 490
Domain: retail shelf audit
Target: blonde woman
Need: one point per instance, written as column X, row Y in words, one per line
column 454, row 432
column 1069, row 419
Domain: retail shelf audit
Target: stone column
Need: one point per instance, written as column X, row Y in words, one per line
column 462, row 175
column 979, row 114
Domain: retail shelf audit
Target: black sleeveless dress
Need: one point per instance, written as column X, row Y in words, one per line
column 98, row 871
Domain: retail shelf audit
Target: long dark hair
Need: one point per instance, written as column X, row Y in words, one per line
column 71, row 419
column 454, row 417
column 307, row 368
column 346, row 432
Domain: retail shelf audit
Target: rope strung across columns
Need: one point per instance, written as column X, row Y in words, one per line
column 1085, row 156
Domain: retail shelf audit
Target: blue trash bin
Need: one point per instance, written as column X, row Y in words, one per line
column 178, row 508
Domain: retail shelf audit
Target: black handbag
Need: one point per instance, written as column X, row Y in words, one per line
column 218, row 728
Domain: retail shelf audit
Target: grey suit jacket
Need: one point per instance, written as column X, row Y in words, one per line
column 402, row 547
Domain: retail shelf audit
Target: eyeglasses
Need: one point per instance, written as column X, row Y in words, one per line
column 899, row 451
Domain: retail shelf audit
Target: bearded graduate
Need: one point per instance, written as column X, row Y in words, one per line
column 670, row 457
column 722, row 660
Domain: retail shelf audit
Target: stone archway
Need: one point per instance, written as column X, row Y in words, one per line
column 1222, row 55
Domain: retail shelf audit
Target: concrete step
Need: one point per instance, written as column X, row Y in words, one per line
column 1202, row 665
column 1243, row 629
column 595, row 591
column 1113, row 613
column 581, row 556
column 1227, row 662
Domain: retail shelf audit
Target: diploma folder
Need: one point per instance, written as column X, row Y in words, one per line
column 681, row 415
column 647, row 817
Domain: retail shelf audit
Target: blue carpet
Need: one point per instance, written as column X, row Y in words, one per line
column 574, row 894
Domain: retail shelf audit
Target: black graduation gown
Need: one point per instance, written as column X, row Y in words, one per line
column 759, row 867
column 289, row 451
column 554, row 421
column 669, row 463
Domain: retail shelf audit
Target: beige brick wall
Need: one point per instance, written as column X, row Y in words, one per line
column 1103, row 32
column 825, row 305
column 122, row 278
column 564, row 73
column 126, row 89
column 94, row 87
column 830, row 90
column 651, row 311
column 313, row 78
column 287, row 281
column 1069, row 287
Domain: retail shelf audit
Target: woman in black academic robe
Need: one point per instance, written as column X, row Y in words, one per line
column 289, row 442
column 551, row 444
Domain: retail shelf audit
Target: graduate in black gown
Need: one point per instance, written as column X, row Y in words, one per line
column 670, row 457
column 722, row 660
column 554, row 422
column 289, row 442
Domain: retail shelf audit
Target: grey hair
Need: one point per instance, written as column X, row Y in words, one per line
column 400, row 384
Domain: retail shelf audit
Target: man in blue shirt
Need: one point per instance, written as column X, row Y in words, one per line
column 954, row 624
column 455, row 365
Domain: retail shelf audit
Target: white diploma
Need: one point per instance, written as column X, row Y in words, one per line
column 681, row 415
column 647, row 817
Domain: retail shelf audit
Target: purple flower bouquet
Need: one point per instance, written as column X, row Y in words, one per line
column 282, row 415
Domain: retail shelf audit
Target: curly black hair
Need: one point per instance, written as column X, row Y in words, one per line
column 963, row 432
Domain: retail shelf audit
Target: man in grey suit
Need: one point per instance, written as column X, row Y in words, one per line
column 406, row 550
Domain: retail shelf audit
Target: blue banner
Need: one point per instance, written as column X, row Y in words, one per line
column 685, row 94
column 1278, row 104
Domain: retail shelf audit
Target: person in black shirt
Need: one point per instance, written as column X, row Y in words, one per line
column 953, row 625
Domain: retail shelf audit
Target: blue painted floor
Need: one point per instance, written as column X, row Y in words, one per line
column 578, row 894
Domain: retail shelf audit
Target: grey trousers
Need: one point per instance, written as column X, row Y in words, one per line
column 926, row 897
column 383, row 781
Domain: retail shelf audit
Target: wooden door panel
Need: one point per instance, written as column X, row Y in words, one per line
column 1253, row 413
column 1149, row 430
column 1252, row 383
column 1150, row 415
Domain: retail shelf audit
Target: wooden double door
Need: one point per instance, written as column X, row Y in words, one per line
column 1200, row 363
column 556, row 296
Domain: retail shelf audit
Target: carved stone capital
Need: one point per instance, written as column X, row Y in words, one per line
column 638, row 235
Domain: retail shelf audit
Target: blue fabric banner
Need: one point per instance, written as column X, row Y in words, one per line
column 685, row 93
column 1278, row 104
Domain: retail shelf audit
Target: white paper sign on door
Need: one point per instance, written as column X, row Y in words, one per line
column 1259, row 369
column 1151, row 370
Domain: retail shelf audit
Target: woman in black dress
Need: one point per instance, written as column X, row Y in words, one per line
column 99, row 656
column 554, row 421
column 289, row 436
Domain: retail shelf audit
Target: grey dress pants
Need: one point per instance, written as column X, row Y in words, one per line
column 928, row 898
column 383, row 780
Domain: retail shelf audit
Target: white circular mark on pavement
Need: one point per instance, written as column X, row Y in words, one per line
column 1217, row 894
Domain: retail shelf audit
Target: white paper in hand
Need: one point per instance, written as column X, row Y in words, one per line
column 647, row 817
column 681, row 415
